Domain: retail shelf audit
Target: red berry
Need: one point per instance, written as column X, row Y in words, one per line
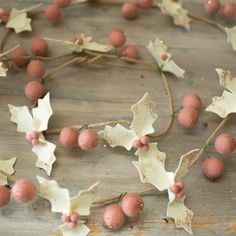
column 53, row 14
column 65, row 218
column 144, row 140
column 132, row 205
column 23, row 190
column 225, row 144
column 117, row 38
column 129, row 10
column 180, row 185
column 130, row 52
column 188, row 117
column 19, row 56
column 137, row 144
column 34, row 90
column 36, row 69
column 4, row 196
column 88, row 139
column 63, row 3
column 174, row 189
column 180, row 194
column 228, row 10
column 192, row 100
column 145, row 4
column 213, row 168
column 212, row 6
column 74, row 217
column 72, row 225
column 5, row 16
column 39, row 47
column 69, row 137
column 114, row 217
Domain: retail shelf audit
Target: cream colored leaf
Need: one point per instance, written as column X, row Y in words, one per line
column 82, row 202
column 159, row 52
column 183, row 216
column 3, row 70
column 223, row 105
column 226, row 80
column 6, row 166
column 45, row 153
column 42, row 113
column 177, row 12
column 185, row 164
column 57, row 196
column 151, row 167
column 22, row 117
column 80, row 230
column 144, row 115
column 18, row 21
column 119, row 136
column 231, row 36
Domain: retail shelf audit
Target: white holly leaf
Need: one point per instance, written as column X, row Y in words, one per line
column 231, row 36
column 80, row 230
column 45, row 153
column 6, row 166
column 185, row 164
column 82, row 202
column 3, row 70
column 22, row 117
column 177, row 12
column 159, row 52
column 119, row 136
column 19, row 21
column 84, row 43
column 226, row 80
column 151, row 167
column 42, row 113
column 58, row 197
column 144, row 115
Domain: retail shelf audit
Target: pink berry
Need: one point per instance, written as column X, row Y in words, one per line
column 129, row 10
column 130, row 52
column 174, row 189
column 34, row 90
column 35, row 142
column 117, row 38
column 65, row 218
column 53, row 14
column 63, row 3
column 88, row 139
column 69, row 137
column 144, row 140
column 4, row 196
column 39, row 47
column 19, row 56
column 23, row 190
column 132, row 205
column 212, row 6
column 228, row 10
column 137, row 144
column 36, row 69
column 188, row 117
column 74, row 217
column 225, row 144
column 5, row 16
column 180, row 194
column 180, row 185
column 114, row 217
column 72, row 225
column 145, row 4
column 35, row 135
column 213, row 168
column 192, row 100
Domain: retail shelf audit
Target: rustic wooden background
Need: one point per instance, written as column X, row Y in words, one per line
column 85, row 94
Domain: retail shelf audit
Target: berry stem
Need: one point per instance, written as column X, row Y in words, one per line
column 208, row 140
column 93, row 125
column 115, row 198
column 10, row 177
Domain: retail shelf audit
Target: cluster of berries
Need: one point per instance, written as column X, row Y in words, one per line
column 227, row 10
column 115, row 215
column 87, row 139
column 22, row 191
column 71, row 220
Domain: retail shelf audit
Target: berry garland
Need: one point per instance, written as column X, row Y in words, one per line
column 85, row 50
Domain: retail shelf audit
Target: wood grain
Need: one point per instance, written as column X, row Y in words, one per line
column 88, row 94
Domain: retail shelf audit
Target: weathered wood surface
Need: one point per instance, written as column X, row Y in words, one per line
column 84, row 94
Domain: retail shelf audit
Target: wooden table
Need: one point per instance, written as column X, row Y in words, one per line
column 86, row 94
